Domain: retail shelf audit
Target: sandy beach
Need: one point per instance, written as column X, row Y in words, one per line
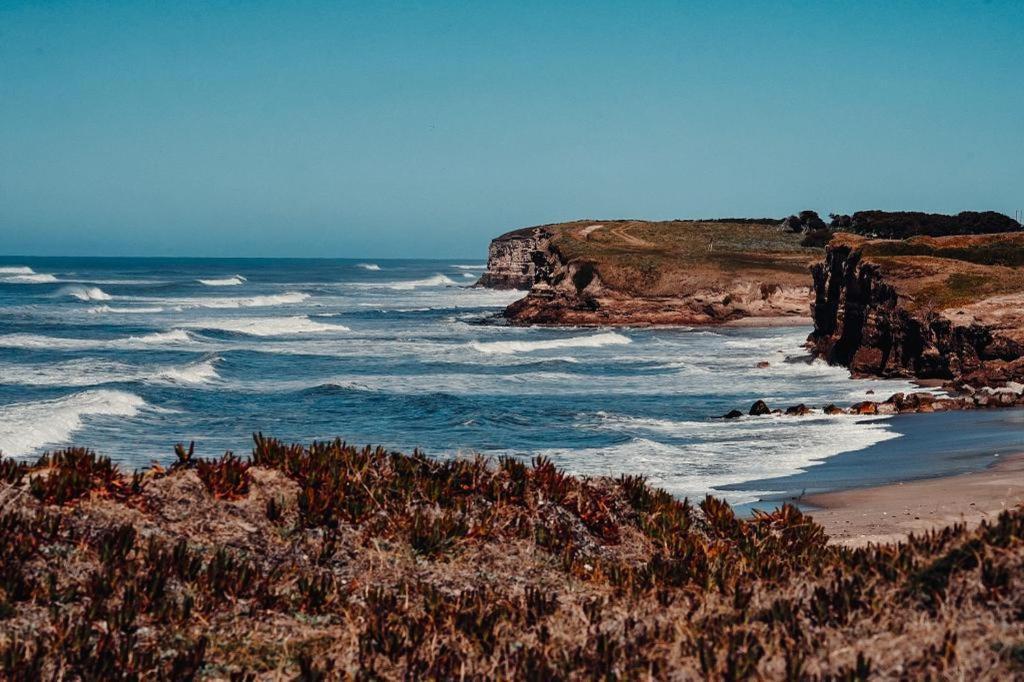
column 890, row 512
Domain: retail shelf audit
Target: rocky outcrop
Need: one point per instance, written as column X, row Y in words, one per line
column 644, row 273
column 920, row 316
column 517, row 260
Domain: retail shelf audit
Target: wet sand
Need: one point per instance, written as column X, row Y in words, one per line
column 889, row 513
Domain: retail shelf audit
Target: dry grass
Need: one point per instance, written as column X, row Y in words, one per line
column 939, row 273
column 671, row 257
column 332, row 561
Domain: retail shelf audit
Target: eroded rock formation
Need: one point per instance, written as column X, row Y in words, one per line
column 944, row 311
column 518, row 260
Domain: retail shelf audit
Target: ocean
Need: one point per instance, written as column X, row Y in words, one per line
column 130, row 356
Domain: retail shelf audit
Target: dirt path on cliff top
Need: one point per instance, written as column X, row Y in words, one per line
column 619, row 232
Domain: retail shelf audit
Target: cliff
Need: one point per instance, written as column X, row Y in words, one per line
column 948, row 308
column 517, row 260
column 640, row 273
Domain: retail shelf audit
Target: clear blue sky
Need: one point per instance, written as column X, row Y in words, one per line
column 423, row 129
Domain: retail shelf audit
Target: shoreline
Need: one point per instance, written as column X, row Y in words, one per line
column 889, row 513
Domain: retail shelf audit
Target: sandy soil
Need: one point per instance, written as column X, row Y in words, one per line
column 889, row 513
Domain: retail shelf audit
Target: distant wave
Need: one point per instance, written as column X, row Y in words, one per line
column 20, row 274
column 470, row 267
column 435, row 281
column 232, row 281
column 268, row 326
column 368, row 266
column 42, row 278
column 95, row 372
column 246, row 302
column 468, row 274
column 172, row 337
column 126, row 311
column 195, row 373
column 27, row 427
column 594, row 341
column 83, row 293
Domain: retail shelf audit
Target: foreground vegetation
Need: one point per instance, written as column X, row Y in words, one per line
column 330, row 561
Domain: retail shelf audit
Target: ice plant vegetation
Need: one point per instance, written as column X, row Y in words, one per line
column 328, row 560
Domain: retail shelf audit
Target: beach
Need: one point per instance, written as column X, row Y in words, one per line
column 889, row 513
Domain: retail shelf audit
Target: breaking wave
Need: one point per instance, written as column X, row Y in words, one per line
column 232, row 281
column 125, row 311
column 267, row 301
column 268, row 326
column 368, row 266
column 39, row 341
column 83, row 293
column 594, row 341
column 16, row 270
column 27, row 427
column 34, row 278
column 95, row 372
column 435, row 281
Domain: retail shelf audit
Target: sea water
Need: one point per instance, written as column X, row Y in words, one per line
column 130, row 356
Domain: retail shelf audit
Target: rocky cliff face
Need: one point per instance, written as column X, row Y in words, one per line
column 878, row 315
column 517, row 260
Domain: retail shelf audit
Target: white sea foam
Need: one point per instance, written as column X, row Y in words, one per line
column 27, row 427
column 39, row 341
column 270, row 300
column 691, row 458
column 172, row 336
column 96, row 372
column 435, row 281
column 470, row 267
column 232, row 281
column 593, row 341
column 268, row 326
column 34, row 278
column 125, row 311
column 16, row 270
column 202, row 372
column 469, row 274
column 84, row 293
column 368, row 266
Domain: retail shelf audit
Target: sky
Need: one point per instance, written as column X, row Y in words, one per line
column 423, row 129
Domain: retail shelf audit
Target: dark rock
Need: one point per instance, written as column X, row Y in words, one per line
column 832, row 409
column 759, row 408
column 732, row 414
column 866, row 407
column 798, row 410
column 764, row 364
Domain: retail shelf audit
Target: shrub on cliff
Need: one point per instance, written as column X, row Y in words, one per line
column 903, row 224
